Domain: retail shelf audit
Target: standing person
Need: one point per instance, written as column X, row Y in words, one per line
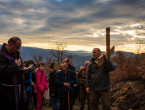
column 97, row 82
column 53, row 87
column 12, row 93
column 83, row 94
column 65, row 79
column 76, row 88
column 41, row 85
column 67, row 61
column 29, row 81
column 35, row 68
column 24, row 63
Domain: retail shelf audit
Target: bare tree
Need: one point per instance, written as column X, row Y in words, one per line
column 140, row 29
column 140, row 32
column 37, row 58
column 119, row 59
column 58, row 53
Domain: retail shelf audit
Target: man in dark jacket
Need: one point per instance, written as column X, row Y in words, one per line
column 65, row 80
column 11, row 78
column 97, row 82
column 70, row 67
column 67, row 61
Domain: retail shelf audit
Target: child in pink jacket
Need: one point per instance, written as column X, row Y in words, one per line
column 41, row 85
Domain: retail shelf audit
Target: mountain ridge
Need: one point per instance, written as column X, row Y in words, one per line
column 79, row 57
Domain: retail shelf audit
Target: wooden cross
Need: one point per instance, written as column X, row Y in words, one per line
column 109, row 51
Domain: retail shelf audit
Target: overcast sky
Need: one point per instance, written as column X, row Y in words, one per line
column 79, row 23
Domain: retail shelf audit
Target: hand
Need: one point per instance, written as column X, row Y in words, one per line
column 88, row 90
column 75, row 85
column 68, row 85
column 25, row 70
column 53, row 94
column 105, row 54
column 65, row 84
column 32, row 83
column 18, row 62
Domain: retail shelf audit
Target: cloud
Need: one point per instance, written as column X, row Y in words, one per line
column 77, row 22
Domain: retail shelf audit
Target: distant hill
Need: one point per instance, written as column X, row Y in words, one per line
column 79, row 57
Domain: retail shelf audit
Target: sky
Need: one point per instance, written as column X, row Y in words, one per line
column 80, row 24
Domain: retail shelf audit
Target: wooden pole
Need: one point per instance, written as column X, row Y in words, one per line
column 68, row 102
column 108, row 52
column 108, row 42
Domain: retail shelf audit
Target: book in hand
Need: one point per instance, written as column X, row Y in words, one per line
column 26, row 68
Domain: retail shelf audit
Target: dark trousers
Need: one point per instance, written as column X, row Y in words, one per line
column 29, row 94
column 64, row 102
column 34, row 99
column 104, row 95
column 7, row 98
column 83, row 96
column 76, row 93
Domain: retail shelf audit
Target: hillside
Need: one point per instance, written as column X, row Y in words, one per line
column 127, row 95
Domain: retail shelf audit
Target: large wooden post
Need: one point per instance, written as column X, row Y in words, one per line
column 108, row 50
column 108, row 42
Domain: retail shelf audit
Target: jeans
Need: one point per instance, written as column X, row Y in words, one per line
column 54, row 103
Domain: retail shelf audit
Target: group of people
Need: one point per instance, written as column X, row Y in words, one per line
column 18, row 84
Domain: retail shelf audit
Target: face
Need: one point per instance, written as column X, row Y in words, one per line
column 50, row 70
column 15, row 47
column 63, row 67
column 95, row 53
column 86, row 64
column 31, row 67
column 41, row 68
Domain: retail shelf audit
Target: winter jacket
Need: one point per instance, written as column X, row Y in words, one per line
column 71, row 67
column 52, row 83
column 27, row 78
column 41, row 82
column 60, row 79
column 98, row 77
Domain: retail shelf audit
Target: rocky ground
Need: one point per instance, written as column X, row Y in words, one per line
column 127, row 95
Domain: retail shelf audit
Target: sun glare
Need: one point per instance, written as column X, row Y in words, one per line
column 95, row 35
column 129, row 32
